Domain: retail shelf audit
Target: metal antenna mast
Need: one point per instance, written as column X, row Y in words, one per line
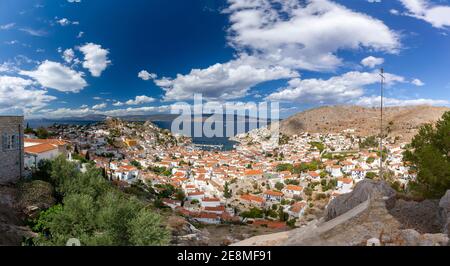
column 381, row 123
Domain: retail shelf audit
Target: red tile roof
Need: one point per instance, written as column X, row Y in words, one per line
column 294, row 187
column 249, row 197
column 273, row 193
column 40, row 148
column 252, row 172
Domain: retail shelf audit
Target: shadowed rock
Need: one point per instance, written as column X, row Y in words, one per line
column 360, row 193
column 444, row 211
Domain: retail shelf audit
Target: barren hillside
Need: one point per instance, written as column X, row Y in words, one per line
column 399, row 121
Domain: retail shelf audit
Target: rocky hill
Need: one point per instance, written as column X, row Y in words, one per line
column 370, row 215
column 399, row 121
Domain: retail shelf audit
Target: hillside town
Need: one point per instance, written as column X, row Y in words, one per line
column 265, row 181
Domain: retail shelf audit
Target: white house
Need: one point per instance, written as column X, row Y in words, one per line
column 210, row 202
column 296, row 210
column 207, row 217
column 126, row 173
column 344, row 185
column 336, row 171
column 347, row 166
column 35, row 153
column 292, row 190
column 273, row 195
column 196, row 195
column 358, row 174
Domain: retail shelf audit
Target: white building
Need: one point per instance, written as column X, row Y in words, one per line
column 37, row 150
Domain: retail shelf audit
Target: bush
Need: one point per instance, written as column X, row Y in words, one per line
column 429, row 153
column 95, row 212
column 279, row 185
column 253, row 213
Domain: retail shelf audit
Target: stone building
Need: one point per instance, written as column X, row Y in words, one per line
column 11, row 148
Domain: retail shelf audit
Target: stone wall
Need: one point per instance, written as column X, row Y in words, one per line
column 11, row 160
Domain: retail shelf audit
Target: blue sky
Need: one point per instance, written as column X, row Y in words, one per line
column 77, row 57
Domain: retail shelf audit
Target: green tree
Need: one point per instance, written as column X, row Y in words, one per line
column 253, row 213
column 42, row 133
column 43, row 170
column 279, row 185
column 144, row 230
column 429, row 152
column 369, row 142
column 136, row 164
column 180, row 195
column 319, row 145
column 285, row 167
column 226, row 191
column 28, row 130
column 95, row 212
column 371, row 175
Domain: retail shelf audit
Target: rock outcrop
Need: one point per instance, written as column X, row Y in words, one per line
column 444, row 212
column 12, row 228
column 354, row 221
column 34, row 197
column 362, row 191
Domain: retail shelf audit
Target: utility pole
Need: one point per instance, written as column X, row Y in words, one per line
column 381, row 123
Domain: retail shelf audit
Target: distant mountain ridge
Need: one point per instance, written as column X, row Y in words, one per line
column 99, row 118
column 403, row 122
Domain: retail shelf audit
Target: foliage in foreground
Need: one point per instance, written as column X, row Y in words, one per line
column 95, row 212
column 429, row 152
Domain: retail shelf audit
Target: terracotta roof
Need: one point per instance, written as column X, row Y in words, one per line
column 171, row 201
column 179, row 174
column 210, row 199
column 42, row 141
column 346, row 180
column 128, row 167
column 218, row 208
column 273, row 193
column 270, row 224
column 249, row 197
column 196, row 193
column 40, row 148
column 205, row 215
column 313, row 174
column 298, row 206
column 294, row 187
column 253, row 172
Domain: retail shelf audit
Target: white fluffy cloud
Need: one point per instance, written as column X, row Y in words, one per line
column 374, row 101
column 145, row 75
column 56, row 76
column 68, row 55
column 140, row 100
column 274, row 39
column 418, row 82
column 65, row 22
column 221, row 81
column 305, row 36
column 372, row 62
column 436, row 15
column 338, row 89
column 95, row 58
column 18, row 94
column 99, row 106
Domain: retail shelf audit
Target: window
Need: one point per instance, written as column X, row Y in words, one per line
column 10, row 141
